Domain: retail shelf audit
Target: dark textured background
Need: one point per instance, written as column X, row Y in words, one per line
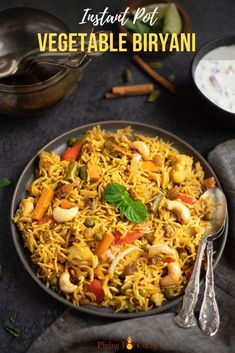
column 21, row 138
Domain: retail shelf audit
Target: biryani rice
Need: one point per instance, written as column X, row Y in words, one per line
column 49, row 242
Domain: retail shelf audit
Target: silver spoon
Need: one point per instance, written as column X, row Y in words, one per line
column 186, row 317
column 209, row 318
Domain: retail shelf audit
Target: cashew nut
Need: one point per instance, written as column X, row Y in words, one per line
column 65, row 285
column 173, row 276
column 157, row 249
column 181, row 211
column 64, row 215
column 135, row 163
column 142, row 148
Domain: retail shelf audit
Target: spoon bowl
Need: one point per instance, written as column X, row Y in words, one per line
column 218, row 220
column 186, row 317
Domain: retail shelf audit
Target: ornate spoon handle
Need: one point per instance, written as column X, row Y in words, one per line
column 209, row 319
column 186, row 317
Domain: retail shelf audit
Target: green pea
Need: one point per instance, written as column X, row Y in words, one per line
column 126, row 287
column 83, row 173
column 72, row 141
column 142, row 292
column 207, row 217
column 169, row 292
column 98, row 235
column 89, row 222
column 114, row 154
column 182, row 254
column 54, row 282
column 82, row 138
column 131, row 307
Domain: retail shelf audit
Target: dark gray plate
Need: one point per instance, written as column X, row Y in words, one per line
column 58, row 145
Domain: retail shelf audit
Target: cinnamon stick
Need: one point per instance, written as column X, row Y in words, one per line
column 160, row 79
column 110, row 95
column 133, row 90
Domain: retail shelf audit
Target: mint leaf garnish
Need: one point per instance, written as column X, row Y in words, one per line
column 134, row 210
column 115, row 193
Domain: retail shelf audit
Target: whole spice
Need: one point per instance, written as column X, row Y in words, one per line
column 154, row 96
column 155, row 64
column 160, row 79
column 171, row 77
column 133, row 90
column 127, row 75
column 130, row 268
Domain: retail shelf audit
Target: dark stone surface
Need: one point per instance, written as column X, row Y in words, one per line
column 20, row 138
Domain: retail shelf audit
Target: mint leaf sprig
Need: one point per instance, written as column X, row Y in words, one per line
column 134, row 210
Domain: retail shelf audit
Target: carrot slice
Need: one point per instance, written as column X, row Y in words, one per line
column 209, row 182
column 66, row 204
column 104, row 244
column 43, row 203
column 150, row 166
column 98, row 272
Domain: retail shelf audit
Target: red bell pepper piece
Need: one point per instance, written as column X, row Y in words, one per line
column 72, row 153
column 186, row 198
column 173, row 194
column 169, row 259
column 188, row 273
column 129, row 237
column 46, row 219
column 96, row 288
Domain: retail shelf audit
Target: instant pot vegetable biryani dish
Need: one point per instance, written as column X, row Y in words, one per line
column 115, row 221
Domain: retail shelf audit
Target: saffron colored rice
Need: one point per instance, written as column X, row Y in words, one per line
column 135, row 284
